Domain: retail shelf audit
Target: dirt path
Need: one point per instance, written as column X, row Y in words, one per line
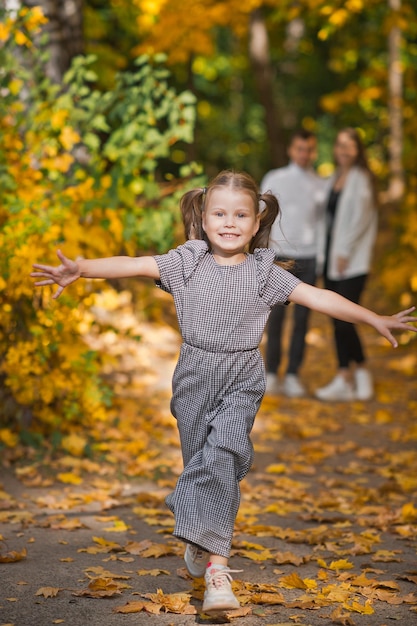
column 328, row 520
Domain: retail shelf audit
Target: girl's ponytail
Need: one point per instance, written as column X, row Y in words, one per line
column 192, row 205
column 268, row 214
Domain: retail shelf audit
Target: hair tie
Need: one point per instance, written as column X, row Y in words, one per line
column 204, row 191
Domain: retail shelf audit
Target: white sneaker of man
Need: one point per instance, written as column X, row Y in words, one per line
column 364, row 387
column 338, row 390
column 273, row 386
column 293, row 387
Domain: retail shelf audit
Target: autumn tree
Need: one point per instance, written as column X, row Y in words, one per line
column 77, row 170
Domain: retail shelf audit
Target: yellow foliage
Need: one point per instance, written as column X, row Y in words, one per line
column 4, row 31
column 21, row 39
column 339, row 17
column 355, row 6
column 74, row 444
column 9, row 438
column 185, row 29
column 58, row 118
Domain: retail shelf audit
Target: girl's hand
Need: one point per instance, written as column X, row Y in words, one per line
column 399, row 321
column 62, row 275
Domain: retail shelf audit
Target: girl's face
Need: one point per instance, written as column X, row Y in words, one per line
column 230, row 220
column 345, row 150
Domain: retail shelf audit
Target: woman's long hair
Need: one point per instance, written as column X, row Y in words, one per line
column 265, row 204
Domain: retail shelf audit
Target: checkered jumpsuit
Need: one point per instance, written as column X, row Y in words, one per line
column 219, row 381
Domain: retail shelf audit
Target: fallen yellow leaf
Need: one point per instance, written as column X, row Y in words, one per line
column 152, row 572
column 340, row 565
column 70, row 478
column 48, row 592
column 13, row 556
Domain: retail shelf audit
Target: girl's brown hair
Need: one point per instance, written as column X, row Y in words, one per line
column 265, row 204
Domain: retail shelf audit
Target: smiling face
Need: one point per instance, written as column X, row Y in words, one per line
column 346, row 150
column 230, row 220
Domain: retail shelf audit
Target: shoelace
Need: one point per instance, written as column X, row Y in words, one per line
column 197, row 554
column 220, row 577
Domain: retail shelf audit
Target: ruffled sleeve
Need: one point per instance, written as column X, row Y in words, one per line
column 275, row 283
column 176, row 267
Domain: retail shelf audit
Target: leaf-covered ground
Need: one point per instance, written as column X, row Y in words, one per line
column 326, row 533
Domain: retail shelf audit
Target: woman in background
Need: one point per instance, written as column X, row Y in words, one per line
column 350, row 231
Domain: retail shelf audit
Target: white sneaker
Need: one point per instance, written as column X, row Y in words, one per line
column 195, row 560
column 339, row 389
column 293, row 387
column 364, row 388
column 219, row 596
column 273, row 386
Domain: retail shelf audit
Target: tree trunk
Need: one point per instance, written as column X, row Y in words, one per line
column 395, row 86
column 260, row 58
column 65, row 29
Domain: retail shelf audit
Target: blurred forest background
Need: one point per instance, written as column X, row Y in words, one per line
column 110, row 109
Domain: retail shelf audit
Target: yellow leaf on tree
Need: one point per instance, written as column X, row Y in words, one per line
column 9, row 438
column 58, row 118
column 68, row 137
column 4, row 32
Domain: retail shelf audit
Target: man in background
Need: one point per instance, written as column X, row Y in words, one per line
column 294, row 238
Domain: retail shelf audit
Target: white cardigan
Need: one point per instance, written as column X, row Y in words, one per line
column 354, row 228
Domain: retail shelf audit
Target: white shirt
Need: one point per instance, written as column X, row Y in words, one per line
column 299, row 193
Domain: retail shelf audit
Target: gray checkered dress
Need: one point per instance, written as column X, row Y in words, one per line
column 219, row 381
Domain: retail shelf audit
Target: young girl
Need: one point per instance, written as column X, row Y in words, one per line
column 224, row 282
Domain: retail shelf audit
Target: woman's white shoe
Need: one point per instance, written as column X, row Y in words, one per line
column 364, row 388
column 338, row 390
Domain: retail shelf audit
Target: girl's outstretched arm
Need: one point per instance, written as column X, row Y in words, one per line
column 335, row 305
column 112, row 267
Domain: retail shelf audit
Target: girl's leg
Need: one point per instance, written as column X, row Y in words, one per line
column 219, row 596
column 214, row 421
